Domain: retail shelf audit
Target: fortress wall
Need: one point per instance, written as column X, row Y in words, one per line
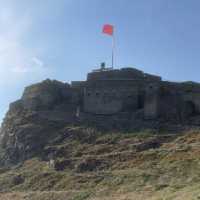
column 194, row 99
column 129, row 90
column 178, row 101
column 191, row 96
column 121, row 83
column 77, row 84
column 151, row 103
column 170, row 102
column 112, row 98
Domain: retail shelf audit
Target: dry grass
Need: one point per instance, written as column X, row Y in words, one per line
column 134, row 170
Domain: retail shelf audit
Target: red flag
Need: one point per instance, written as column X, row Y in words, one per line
column 108, row 29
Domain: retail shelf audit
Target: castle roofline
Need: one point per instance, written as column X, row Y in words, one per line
column 120, row 74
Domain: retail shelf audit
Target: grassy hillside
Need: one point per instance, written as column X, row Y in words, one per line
column 108, row 166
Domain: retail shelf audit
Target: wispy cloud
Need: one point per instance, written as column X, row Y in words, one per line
column 16, row 58
column 37, row 62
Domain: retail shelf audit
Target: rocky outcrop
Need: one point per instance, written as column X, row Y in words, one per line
column 46, row 95
column 34, row 120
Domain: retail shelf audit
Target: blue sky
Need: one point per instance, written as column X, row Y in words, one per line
column 62, row 40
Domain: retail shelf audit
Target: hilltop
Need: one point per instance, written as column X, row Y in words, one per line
column 121, row 134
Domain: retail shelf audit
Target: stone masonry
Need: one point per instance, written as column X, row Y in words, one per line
column 109, row 92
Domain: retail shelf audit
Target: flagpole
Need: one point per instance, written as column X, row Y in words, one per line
column 113, row 46
column 109, row 30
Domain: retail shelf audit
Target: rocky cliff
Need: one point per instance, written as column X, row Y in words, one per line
column 34, row 120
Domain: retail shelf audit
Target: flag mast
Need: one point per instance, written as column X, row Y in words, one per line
column 113, row 47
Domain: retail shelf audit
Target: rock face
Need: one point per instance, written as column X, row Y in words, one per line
column 34, row 119
column 110, row 99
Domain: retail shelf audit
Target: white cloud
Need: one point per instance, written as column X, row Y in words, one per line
column 16, row 59
column 38, row 62
column 32, row 65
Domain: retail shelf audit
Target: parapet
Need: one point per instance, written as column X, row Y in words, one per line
column 115, row 74
column 120, row 74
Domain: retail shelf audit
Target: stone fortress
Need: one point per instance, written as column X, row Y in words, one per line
column 124, row 98
column 112, row 100
column 110, row 91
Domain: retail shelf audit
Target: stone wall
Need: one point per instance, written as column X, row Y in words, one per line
column 128, row 90
column 110, row 97
column 151, row 103
column 120, row 90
